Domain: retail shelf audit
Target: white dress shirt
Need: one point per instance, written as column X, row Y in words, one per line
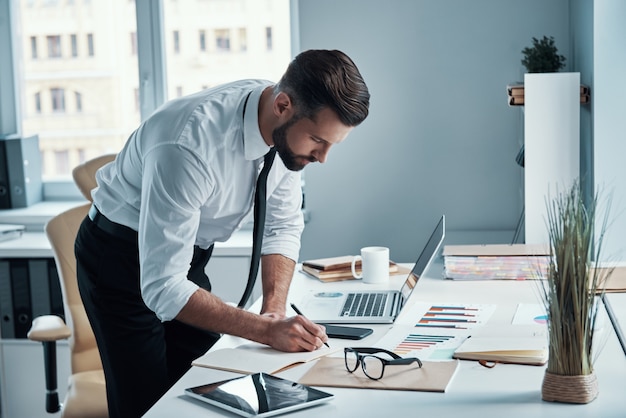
column 187, row 176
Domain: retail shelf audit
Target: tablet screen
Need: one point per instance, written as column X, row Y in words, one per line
column 259, row 395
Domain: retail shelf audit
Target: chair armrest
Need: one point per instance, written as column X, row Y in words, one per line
column 48, row 328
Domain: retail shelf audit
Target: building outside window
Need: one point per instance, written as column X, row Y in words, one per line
column 222, row 40
column 38, row 103
column 33, row 47
column 74, row 44
column 269, row 40
column 54, row 46
column 176, row 35
column 104, row 90
column 90, row 47
column 243, row 40
column 79, row 101
column 58, row 99
column 202, row 40
column 133, row 43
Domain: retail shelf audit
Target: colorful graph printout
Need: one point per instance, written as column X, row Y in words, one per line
column 431, row 344
column 455, row 316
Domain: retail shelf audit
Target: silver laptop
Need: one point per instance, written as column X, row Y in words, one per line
column 361, row 306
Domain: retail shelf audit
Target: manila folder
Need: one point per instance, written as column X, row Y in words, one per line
column 433, row 376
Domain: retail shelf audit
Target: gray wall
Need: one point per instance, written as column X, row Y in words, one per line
column 609, row 114
column 440, row 137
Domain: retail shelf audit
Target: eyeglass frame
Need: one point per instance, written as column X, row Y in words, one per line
column 369, row 351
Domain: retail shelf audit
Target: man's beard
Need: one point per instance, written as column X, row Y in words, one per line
column 290, row 159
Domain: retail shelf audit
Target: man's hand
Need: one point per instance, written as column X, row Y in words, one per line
column 296, row 334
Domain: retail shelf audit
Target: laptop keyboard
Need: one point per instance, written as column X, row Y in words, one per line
column 364, row 304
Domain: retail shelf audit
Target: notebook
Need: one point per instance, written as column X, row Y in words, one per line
column 362, row 306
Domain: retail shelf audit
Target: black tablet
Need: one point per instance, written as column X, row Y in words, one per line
column 259, row 395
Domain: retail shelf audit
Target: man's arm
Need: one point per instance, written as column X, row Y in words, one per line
column 272, row 327
column 277, row 271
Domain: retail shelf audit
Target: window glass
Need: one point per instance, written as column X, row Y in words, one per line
column 80, row 90
column 79, row 94
column 224, row 40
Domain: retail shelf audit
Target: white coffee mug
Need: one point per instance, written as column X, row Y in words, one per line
column 374, row 265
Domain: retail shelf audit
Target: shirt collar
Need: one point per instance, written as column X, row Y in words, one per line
column 253, row 143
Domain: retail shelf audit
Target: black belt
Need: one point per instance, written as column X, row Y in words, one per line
column 110, row 227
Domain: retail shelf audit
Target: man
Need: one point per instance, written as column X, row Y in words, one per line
column 185, row 180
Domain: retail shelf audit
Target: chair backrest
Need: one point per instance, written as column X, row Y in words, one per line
column 85, row 174
column 61, row 231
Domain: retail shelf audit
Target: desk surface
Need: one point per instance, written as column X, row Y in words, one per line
column 475, row 391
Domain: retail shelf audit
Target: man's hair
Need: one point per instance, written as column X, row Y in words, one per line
column 316, row 79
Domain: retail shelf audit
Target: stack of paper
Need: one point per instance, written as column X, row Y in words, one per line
column 484, row 262
column 336, row 268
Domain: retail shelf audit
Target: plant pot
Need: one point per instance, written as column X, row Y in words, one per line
column 569, row 389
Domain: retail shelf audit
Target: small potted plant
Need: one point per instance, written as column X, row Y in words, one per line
column 570, row 297
column 543, row 56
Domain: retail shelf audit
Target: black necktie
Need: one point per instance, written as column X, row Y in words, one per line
column 259, row 225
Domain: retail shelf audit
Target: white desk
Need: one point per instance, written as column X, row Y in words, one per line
column 506, row 390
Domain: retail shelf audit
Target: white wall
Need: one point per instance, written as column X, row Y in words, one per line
column 440, row 137
column 609, row 97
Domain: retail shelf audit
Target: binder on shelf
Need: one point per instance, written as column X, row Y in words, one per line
column 22, row 313
column 39, row 287
column 7, row 328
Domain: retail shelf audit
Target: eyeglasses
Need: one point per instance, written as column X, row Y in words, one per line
column 373, row 366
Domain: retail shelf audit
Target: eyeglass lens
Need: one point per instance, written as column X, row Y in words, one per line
column 372, row 366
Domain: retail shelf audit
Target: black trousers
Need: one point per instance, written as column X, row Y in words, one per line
column 142, row 356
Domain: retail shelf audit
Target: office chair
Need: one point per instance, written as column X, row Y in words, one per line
column 86, row 392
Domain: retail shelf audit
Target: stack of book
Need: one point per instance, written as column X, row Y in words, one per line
column 515, row 94
column 335, row 269
column 489, row 262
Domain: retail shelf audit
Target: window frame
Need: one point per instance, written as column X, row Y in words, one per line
column 151, row 62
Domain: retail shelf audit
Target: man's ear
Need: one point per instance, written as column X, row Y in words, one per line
column 283, row 106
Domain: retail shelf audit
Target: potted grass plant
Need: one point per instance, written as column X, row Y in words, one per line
column 570, row 297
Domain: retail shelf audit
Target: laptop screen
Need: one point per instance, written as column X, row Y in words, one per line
column 424, row 259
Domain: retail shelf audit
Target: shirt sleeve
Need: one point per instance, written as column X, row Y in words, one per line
column 168, row 223
column 284, row 220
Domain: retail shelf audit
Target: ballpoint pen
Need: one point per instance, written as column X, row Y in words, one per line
column 295, row 308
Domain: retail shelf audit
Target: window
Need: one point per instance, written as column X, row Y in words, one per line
column 74, row 44
column 222, row 40
column 268, row 38
column 62, row 161
column 79, row 115
column 90, row 49
column 133, row 43
column 38, row 103
column 202, row 39
column 176, row 35
column 243, row 40
column 58, row 99
column 79, row 101
column 33, row 47
column 54, row 46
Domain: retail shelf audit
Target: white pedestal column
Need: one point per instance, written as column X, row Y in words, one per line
column 551, row 144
